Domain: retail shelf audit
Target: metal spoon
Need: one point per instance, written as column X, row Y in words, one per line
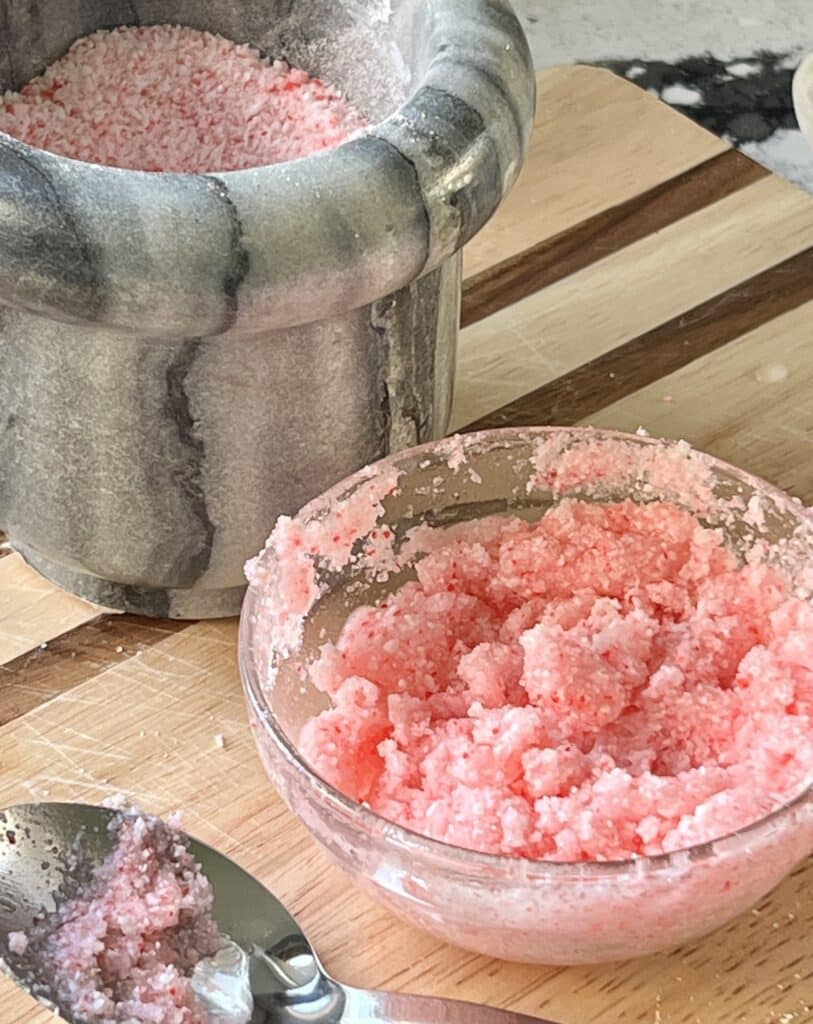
column 288, row 983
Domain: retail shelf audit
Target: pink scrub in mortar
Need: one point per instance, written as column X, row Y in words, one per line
column 599, row 696
column 171, row 98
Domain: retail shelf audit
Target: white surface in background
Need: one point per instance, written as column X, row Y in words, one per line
column 787, row 153
column 744, row 68
column 682, row 96
column 588, row 31
column 593, row 30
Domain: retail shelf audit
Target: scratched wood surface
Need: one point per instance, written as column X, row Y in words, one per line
column 640, row 273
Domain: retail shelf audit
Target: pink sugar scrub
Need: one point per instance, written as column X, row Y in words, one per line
column 606, row 683
column 126, row 946
column 656, row 562
column 169, row 98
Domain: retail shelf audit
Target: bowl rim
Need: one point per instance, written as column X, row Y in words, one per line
column 388, row 168
column 520, row 869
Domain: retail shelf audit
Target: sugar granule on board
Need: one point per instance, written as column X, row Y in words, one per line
column 170, row 98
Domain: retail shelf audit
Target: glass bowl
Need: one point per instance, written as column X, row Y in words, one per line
column 512, row 908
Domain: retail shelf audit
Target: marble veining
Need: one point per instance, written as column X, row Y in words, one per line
column 44, row 241
column 187, row 356
column 194, row 554
column 238, row 264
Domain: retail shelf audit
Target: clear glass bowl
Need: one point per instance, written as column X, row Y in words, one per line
column 512, row 908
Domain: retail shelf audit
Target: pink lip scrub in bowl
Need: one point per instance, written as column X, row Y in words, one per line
column 546, row 693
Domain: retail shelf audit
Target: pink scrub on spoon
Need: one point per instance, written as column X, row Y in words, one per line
column 138, row 944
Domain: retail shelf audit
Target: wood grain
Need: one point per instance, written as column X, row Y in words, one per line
column 74, row 657
column 750, row 402
column 597, row 142
column 666, row 348
column 34, row 611
column 646, row 284
column 555, row 258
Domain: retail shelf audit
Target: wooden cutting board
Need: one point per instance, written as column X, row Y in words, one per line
column 640, row 273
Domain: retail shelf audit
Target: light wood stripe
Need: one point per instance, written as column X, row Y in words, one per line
column 76, row 656
column 750, row 402
column 646, row 284
column 656, row 353
column 555, row 258
column 34, row 611
column 598, row 142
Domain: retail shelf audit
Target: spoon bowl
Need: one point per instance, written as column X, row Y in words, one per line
column 38, row 847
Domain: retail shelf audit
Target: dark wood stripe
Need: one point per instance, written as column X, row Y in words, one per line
column 74, row 657
column 659, row 352
column 607, row 232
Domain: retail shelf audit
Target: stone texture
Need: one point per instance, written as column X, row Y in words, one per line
column 187, row 356
column 744, row 108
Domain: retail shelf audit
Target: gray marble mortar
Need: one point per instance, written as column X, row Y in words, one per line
column 185, row 357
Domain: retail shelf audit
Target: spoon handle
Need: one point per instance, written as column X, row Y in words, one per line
column 401, row 1008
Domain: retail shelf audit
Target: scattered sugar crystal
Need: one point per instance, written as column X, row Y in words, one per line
column 682, row 95
column 771, row 373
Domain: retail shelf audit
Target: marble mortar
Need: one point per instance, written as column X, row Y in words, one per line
column 185, row 357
